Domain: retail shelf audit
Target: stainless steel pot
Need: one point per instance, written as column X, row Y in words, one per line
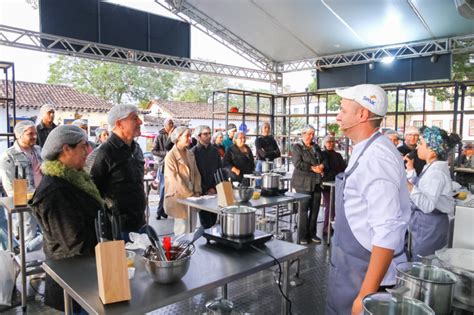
column 429, row 284
column 386, row 303
column 270, row 181
column 266, row 166
column 238, row 221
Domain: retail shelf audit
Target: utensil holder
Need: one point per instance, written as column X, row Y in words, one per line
column 112, row 273
column 225, row 195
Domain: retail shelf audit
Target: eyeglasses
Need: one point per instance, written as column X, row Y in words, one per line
column 205, row 133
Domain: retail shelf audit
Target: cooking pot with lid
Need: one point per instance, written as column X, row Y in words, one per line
column 238, row 221
column 270, row 181
column 266, row 166
column 394, row 303
column 429, row 284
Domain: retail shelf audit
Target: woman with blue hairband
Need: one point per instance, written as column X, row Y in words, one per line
column 430, row 193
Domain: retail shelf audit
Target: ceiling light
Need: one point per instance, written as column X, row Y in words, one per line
column 434, row 58
column 388, row 59
column 371, row 66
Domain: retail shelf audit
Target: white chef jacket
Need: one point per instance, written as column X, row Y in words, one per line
column 434, row 190
column 376, row 199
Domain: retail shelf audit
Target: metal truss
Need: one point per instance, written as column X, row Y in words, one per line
column 20, row 38
column 206, row 24
column 402, row 51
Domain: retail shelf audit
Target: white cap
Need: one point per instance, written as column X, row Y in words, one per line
column 370, row 96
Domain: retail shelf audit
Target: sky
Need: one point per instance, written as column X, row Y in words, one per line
column 33, row 66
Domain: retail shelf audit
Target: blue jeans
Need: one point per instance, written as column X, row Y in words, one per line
column 4, row 231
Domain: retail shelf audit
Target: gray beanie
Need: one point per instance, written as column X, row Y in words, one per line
column 177, row 132
column 119, row 112
column 21, row 127
column 61, row 135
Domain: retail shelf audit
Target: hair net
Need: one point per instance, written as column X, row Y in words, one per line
column 79, row 122
column 46, row 108
column 231, row 126
column 177, row 132
column 217, row 134
column 328, row 138
column 390, row 132
column 119, row 112
column 98, row 131
column 200, row 129
column 307, row 128
column 21, row 127
column 237, row 135
column 412, row 130
column 61, row 135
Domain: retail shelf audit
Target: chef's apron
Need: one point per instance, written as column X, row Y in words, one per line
column 349, row 259
column 429, row 231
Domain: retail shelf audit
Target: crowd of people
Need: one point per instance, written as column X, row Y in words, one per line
column 385, row 189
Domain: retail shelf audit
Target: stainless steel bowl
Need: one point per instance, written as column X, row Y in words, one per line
column 165, row 272
column 384, row 303
column 242, row 194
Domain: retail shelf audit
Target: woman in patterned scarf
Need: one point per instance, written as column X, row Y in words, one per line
column 430, row 193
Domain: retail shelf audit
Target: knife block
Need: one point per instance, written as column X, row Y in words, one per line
column 225, row 196
column 112, row 273
column 20, row 192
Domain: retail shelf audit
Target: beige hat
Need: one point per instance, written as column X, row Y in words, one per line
column 370, row 96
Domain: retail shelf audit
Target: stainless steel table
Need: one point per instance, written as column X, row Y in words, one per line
column 211, row 266
column 332, row 187
column 210, row 204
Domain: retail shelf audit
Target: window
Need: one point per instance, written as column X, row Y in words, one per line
column 295, row 110
column 437, row 123
column 418, row 123
column 471, row 127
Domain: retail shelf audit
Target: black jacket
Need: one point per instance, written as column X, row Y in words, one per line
column 267, row 148
column 336, row 164
column 303, row 158
column 66, row 215
column 43, row 133
column 418, row 163
column 161, row 145
column 244, row 162
column 118, row 170
column 207, row 161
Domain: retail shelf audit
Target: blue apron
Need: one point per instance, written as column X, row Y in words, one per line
column 349, row 259
column 429, row 231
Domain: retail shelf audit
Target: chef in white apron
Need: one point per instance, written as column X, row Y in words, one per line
column 372, row 205
column 430, row 193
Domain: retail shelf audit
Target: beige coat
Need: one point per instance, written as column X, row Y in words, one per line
column 181, row 181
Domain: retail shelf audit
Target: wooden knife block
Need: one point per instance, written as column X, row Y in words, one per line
column 20, row 192
column 112, row 273
column 225, row 196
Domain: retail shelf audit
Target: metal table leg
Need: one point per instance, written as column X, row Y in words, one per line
column 22, row 262
column 225, row 293
column 147, row 199
column 10, row 231
column 331, row 196
column 285, row 306
column 190, row 219
column 68, row 310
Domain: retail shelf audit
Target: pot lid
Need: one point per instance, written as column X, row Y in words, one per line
column 384, row 303
column 460, row 258
column 433, row 274
column 238, row 209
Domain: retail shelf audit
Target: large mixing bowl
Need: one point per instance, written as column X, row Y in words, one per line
column 165, row 272
column 242, row 194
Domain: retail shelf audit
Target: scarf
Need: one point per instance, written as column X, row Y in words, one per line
column 79, row 179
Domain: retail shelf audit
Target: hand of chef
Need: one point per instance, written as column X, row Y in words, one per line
column 357, row 306
column 410, row 163
column 235, row 170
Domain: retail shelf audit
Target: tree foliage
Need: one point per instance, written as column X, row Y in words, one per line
column 198, row 88
column 113, row 82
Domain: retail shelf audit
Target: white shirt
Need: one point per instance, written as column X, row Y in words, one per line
column 434, row 189
column 376, row 199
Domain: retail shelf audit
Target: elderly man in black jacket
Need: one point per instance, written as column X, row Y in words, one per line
column 310, row 164
column 207, row 161
column 118, row 169
column 161, row 145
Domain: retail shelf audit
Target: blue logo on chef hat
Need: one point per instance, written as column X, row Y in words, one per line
column 243, row 128
column 371, row 100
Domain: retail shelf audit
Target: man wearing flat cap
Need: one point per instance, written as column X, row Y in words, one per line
column 118, row 168
column 46, row 123
column 372, row 205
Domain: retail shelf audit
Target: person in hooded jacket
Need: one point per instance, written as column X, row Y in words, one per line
column 65, row 203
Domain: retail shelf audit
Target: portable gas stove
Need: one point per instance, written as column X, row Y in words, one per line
column 214, row 236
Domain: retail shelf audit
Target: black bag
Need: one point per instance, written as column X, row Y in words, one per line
column 208, row 219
